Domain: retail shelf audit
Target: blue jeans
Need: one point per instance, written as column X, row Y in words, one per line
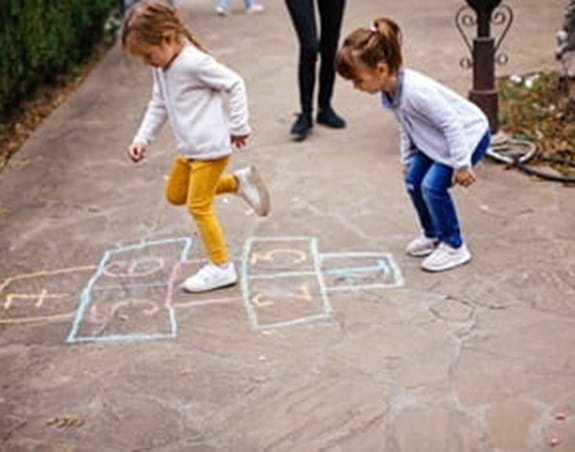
column 427, row 183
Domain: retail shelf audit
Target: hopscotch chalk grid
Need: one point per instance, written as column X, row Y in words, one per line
column 294, row 258
column 131, row 294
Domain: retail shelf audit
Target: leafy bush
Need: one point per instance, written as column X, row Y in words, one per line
column 42, row 39
column 539, row 107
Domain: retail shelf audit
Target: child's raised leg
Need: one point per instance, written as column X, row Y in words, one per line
column 178, row 181
column 251, row 187
column 248, row 185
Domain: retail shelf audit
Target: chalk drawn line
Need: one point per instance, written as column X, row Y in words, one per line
column 387, row 265
column 41, row 297
column 36, row 274
column 44, row 318
column 282, row 249
column 251, row 310
column 85, row 297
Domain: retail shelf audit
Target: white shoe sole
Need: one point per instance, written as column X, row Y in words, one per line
column 440, row 268
column 208, row 289
column 420, row 253
column 417, row 249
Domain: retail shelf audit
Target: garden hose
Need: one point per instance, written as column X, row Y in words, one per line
column 517, row 153
column 544, row 175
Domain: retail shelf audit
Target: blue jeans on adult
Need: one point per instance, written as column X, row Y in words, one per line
column 427, row 183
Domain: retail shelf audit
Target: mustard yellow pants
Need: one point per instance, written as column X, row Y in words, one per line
column 195, row 183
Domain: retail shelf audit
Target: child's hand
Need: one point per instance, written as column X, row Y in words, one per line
column 239, row 141
column 137, row 151
column 463, row 176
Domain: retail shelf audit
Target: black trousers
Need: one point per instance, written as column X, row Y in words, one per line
column 303, row 16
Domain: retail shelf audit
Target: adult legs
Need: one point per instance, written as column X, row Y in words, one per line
column 302, row 13
column 331, row 16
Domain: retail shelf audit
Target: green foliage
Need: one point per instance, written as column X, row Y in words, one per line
column 42, row 39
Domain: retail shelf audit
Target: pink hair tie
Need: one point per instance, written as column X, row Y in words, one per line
column 373, row 28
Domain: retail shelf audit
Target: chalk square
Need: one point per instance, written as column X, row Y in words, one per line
column 123, row 269
column 141, row 264
column 127, row 313
column 272, row 256
column 286, row 300
column 360, row 270
column 42, row 296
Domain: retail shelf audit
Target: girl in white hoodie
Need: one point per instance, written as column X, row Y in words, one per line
column 190, row 89
column 442, row 135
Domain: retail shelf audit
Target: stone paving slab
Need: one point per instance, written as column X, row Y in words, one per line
column 334, row 340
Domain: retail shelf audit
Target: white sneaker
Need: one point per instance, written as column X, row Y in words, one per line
column 252, row 188
column 221, row 11
column 446, row 257
column 255, row 8
column 211, row 277
column 421, row 246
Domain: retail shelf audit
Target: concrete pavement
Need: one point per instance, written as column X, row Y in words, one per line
column 335, row 340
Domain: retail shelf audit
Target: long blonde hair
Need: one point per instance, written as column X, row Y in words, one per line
column 370, row 46
column 150, row 21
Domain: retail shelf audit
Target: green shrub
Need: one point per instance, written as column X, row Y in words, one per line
column 42, row 39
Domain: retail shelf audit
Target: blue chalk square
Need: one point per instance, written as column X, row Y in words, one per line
column 127, row 313
column 353, row 271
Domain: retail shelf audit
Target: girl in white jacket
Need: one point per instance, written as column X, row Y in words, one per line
column 442, row 135
column 190, row 88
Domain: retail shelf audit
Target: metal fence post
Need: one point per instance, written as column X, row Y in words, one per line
column 484, row 51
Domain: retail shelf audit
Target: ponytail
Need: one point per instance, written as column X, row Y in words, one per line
column 370, row 46
column 389, row 41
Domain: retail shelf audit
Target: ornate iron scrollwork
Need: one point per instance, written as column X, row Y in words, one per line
column 501, row 19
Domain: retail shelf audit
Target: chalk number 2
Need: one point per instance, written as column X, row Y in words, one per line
column 303, row 294
column 297, row 257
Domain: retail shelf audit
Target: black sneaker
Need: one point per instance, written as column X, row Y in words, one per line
column 329, row 118
column 301, row 127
